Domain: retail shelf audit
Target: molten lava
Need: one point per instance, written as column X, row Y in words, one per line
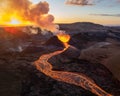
column 44, row 66
column 64, row 38
column 69, row 77
column 12, row 30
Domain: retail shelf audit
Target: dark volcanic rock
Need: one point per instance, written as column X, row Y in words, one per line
column 34, row 83
column 101, row 75
column 82, row 27
column 34, row 49
column 87, row 39
column 13, row 39
column 19, row 77
column 71, row 52
column 54, row 41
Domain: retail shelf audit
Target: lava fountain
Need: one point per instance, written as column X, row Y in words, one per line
column 63, row 37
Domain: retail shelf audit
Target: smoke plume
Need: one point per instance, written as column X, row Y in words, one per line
column 26, row 11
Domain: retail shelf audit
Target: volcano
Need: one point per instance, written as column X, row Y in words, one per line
column 20, row 68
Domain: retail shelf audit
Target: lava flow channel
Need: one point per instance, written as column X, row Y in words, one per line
column 45, row 67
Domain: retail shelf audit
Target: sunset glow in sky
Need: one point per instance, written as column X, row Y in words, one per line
column 105, row 12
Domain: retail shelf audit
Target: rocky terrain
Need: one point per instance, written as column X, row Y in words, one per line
column 94, row 52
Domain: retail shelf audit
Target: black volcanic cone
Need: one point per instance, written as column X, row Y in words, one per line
column 71, row 52
column 54, row 41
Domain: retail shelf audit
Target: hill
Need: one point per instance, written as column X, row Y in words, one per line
column 83, row 27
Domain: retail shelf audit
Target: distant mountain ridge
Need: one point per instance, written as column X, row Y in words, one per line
column 83, row 27
column 81, row 23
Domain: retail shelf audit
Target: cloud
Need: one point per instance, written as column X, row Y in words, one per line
column 113, row 15
column 79, row 2
column 89, row 2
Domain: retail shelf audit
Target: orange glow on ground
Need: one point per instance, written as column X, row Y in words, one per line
column 12, row 30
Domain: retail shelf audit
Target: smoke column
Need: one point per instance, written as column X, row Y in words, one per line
column 26, row 11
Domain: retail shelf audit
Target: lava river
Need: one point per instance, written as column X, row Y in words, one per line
column 45, row 67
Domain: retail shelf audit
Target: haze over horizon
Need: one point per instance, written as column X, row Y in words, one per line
column 103, row 12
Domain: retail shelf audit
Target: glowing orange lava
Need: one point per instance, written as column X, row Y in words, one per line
column 44, row 66
column 63, row 37
column 12, row 30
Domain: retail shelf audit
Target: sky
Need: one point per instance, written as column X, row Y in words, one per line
column 106, row 12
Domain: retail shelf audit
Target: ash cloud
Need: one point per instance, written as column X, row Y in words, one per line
column 25, row 10
column 113, row 15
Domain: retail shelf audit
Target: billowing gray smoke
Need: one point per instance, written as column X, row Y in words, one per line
column 26, row 11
